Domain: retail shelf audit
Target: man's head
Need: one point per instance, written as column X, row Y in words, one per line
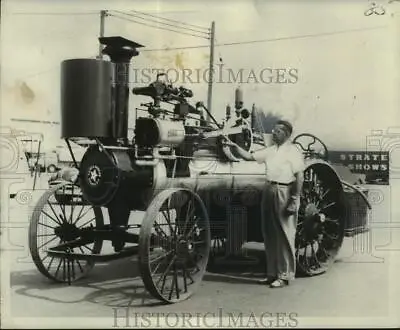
column 282, row 131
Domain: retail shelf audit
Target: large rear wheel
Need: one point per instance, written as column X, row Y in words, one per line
column 321, row 223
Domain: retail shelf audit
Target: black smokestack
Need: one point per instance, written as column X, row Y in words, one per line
column 120, row 51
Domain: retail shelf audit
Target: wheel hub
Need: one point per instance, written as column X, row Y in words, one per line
column 182, row 248
column 67, row 232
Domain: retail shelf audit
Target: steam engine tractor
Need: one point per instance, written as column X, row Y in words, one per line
column 173, row 194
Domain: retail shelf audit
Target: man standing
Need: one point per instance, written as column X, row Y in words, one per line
column 280, row 203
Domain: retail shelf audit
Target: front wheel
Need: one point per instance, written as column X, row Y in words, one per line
column 174, row 245
column 55, row 222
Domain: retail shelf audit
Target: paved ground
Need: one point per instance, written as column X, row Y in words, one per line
column 362, row 288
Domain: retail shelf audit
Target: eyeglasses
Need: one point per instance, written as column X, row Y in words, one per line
column 278, row 130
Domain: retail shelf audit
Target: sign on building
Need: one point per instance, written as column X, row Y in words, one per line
column 374, row 164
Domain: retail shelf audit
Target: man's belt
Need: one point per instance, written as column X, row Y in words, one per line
column 280, row 183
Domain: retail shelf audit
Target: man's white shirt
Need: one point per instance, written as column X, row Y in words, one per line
column 281, row 162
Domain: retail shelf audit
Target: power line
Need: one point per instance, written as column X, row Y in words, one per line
column 61, row 13
column 49, row 70
column 268, row 40
column 158, row 22
column 175, row 48
column 300, row 36
column 40, row 73
column 171, row 20
column 156, row 27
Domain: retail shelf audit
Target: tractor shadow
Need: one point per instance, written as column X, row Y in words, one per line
column 119, row 284
column 115, row 284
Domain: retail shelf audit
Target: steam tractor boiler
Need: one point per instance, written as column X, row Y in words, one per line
column 173, row 194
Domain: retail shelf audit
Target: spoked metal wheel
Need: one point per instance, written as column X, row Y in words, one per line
column 174, row 245
column 54, row 223
column 321, row 222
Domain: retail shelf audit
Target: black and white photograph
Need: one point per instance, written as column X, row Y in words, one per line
column 200, row 164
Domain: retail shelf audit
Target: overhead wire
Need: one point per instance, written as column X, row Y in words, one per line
column 158, row 22
column 49, row 70
column 304, row 36
column 58, row 14
column 157, row 27
column 171, row 20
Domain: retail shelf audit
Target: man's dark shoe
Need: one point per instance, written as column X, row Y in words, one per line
column 266, row 281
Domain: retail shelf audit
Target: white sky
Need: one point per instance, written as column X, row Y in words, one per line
column 347, row 82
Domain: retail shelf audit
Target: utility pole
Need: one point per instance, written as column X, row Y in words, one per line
column 211, row 70
column 103, row 14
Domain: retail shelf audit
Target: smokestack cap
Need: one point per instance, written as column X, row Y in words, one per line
column 119, row 49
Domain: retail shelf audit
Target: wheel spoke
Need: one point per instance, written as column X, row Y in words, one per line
column 168, row 268
column 327, row 206
column 79, row 265
column 62, row 206
column 58, row 268
column 63, row 269
column 153, row 272
column 87, row 222
column 159, row 230
column 79, row 214
column 160, row 257
column 47, row 243
column 332, row 221
column 174, row 283
column 323, row 196
column 168, row 218
column 184, row 277
column 49, row 216
column 50, row 263
column 42, row 224
column 189, row 213
column 45, row 235
column 72, row 206
column 55, row 213
column 73, row 268
column 77, row 219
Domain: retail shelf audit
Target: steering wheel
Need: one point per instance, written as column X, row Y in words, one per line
column 311, row 146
